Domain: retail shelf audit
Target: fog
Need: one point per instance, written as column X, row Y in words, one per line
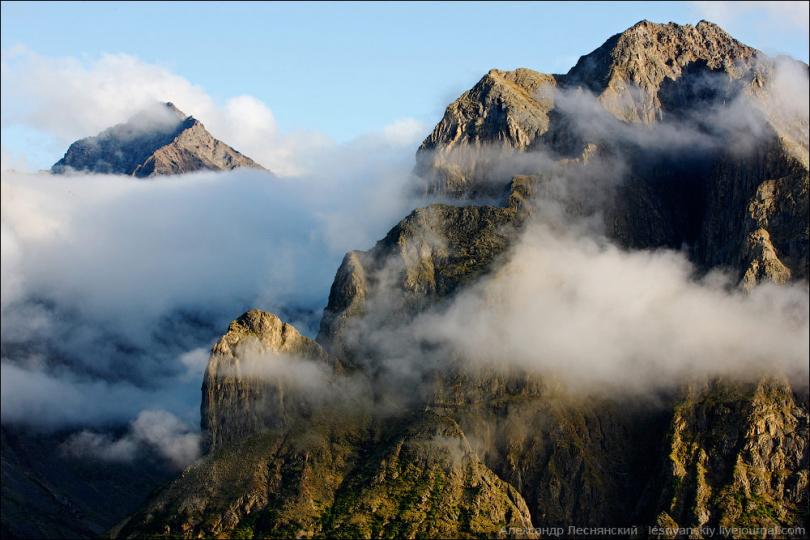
column 114, row 288
column 158, row 431
column 598, row 317
column 569, row 302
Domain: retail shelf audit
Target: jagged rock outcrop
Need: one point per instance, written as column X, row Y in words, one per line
column 427, row 256
column 714, row 198
column 251, row 380
column 158, row 141
column 737, row 457
column 325, row 470
column 506, row 109
column 629, row 73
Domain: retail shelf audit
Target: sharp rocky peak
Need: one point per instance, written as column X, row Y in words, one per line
column 157, row 140
column 647, row 54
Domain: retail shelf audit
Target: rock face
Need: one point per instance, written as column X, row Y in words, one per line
column 633, row 75
column 632, row 71
column 244, row 388
column 427, row 256
column 283, row 465
column 718, row 203
column 159, row 141
column 463, row 451
column 506, row 108
column 431, row 472
column 737, row 457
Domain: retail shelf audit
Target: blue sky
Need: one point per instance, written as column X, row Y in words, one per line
column 345, row 69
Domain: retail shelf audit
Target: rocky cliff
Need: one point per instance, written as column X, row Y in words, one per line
column 244, row 388
column 407, row 440
column 639, row 100
column 158, row 141
column 737, row 457
column 428, row 255
column 635, row 76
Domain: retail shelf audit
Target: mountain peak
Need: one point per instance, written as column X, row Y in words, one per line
column 249, row 349
column 703, row 23
column 647, row 53
column 158, row 140
column 172, row 108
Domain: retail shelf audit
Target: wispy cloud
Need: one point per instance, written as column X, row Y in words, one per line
column 774, row 16
column 67, row 99
column 155, row 430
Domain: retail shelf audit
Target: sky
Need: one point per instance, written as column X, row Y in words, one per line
column 339, row 70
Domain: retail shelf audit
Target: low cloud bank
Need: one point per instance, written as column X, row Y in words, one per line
column 596, row 316
column 154, row 430
column 114, row 288
column 570, row 302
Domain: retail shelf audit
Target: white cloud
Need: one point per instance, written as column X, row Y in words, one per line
column 155, row 429
column 101, row 446
column 35, row 395
column 129, row 305
column 406, row 131
column 209, row 238
column 171, row 437
column 581, row 309
column 195, row 361
column 776, row 15
column 68, row 99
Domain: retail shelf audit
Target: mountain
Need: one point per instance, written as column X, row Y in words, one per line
column 158, row 141
column 631, row 76
column 743, row 212
column 370, row 432
column 47, row 493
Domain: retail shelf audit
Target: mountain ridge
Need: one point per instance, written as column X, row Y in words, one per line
column 456, row 450
column 160, row 140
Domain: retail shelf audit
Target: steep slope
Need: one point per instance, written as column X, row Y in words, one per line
column 244, row 391
column 574, row 456
column 427, row 482
column 158, row 141
column 427, row 256
column 506, row 108
column 738, row 457
column 473, row 450
column 630, row 72
column 324, row 468
column 49, row 494
column 631, row 75
column 696, row 127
